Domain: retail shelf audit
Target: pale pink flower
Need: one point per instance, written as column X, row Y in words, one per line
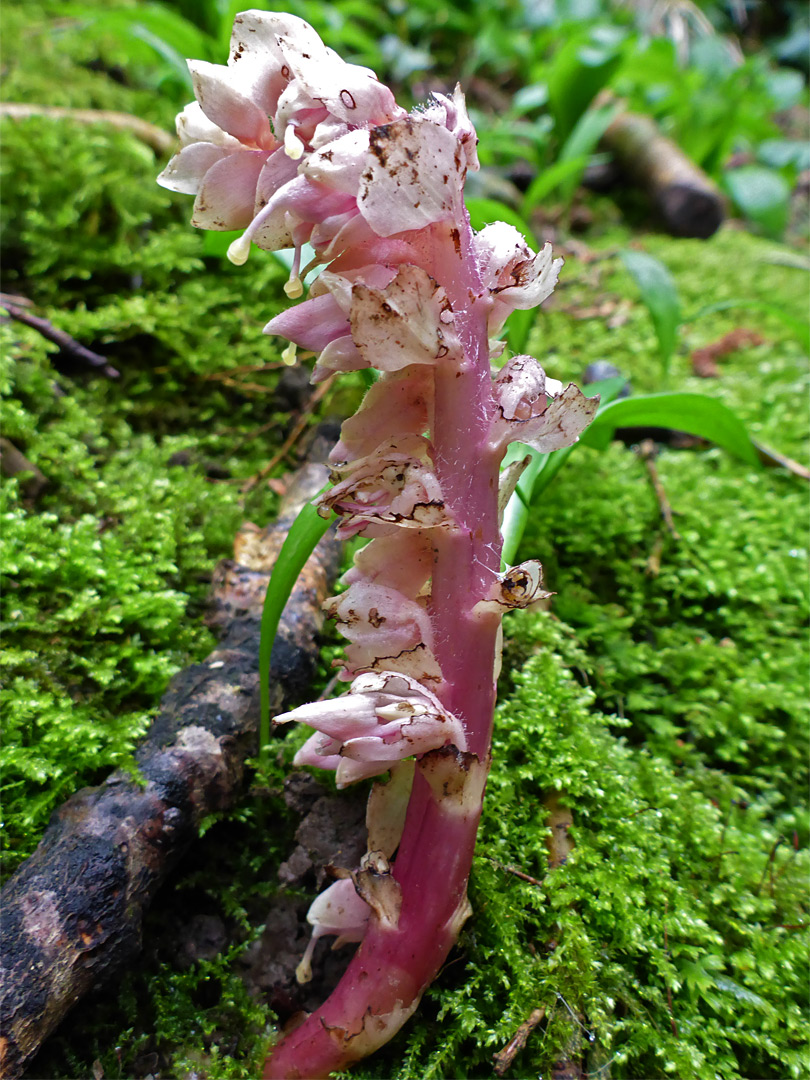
column 537, row 411
column 515, row 276
column 385, row 717
column 380, row 623
column 403, row 561
column 282, row 95
column 399, row 403
column 338, row 911
column 394, row 485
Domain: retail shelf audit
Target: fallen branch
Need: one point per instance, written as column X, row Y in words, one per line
column 67, row 344
column 72, row 914
column 13, row 462
column 688, row 201
column 504, row 1058
column 152, row 135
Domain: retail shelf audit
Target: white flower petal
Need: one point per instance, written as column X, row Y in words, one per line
column 414, row 176
column 186, row 170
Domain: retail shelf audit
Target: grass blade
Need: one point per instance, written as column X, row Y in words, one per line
column 300, row 542
column 660, row 296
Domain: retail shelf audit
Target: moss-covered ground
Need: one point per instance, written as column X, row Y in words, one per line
column 664, row 698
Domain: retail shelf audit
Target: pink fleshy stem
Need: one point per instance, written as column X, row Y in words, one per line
column 388, row 974
column 399, row 958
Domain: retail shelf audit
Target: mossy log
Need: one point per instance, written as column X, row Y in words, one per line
column 686, row 198
column 72, row 914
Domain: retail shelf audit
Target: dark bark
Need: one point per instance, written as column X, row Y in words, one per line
column 72, row 914
column 13, row 462
column 67, row 345
column 687, row 200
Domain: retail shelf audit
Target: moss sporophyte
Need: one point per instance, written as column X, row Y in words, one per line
column 295, row 146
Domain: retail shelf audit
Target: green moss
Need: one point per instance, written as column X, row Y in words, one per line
column 667, row 709
column 103, row 585
column 667, row 895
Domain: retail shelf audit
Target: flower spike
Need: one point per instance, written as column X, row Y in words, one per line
column 292, row 145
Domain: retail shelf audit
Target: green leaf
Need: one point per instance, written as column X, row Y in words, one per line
column 660, row 297
column 799, row 327
column 696, row 414
column 578, row 72
column 517, row 329
column 486, row 211
column 300, row 542
column 763, row 195
column 579, row 145
column 781, row 153
column 546, row 181
column 785, row 88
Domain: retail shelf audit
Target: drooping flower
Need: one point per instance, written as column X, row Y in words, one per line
column 338, row 911
column 535, row 410
column 399, row 403
column 394, row 485
column 515, row 276
column 385, row 717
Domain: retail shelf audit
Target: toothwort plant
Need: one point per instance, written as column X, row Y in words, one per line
column 295, row 146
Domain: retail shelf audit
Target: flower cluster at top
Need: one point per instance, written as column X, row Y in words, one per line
column 294, row 146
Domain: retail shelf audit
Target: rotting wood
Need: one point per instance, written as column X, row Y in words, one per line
column 686, row 198
column 72, row 914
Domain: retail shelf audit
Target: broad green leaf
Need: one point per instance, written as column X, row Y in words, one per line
column 786, row 87
column 696, row 414
column 763, row 195
column 300, row 542
column 530, row 97
column 583, row 65
column 172, row 35
column 780, row 153
column 517, row 329
column 660, row 297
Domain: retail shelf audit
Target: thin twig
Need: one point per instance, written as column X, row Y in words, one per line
column 153, row 136
column 517, row 873
column 292, row 438
column 647, row 453
column 769, row 865
column 504, row 1058
column 65, row 342
column 246, row 387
